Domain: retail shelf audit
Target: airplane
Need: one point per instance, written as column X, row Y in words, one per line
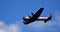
column 36, row 17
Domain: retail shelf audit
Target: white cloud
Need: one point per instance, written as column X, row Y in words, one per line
column 41, row 24
column 9, row 28
column 2, row 30
column 57, row 14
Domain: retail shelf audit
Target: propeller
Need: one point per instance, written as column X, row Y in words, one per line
column 32, row 13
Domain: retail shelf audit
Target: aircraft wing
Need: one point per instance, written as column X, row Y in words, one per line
column 38, row 13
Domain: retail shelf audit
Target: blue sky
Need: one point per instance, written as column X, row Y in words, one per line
column 12, row 11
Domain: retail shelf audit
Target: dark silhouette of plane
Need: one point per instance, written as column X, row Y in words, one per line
column 36, row 16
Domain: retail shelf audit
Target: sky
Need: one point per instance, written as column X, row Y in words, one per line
column 13, row 11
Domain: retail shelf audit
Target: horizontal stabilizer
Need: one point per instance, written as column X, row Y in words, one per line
column 49, row 18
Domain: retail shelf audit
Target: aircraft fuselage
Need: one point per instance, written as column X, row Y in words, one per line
column 35, row 16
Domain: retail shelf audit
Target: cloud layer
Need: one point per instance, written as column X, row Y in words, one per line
column 53, row 25
column 9, row 28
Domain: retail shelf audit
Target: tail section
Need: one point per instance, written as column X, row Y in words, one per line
column 49, row 18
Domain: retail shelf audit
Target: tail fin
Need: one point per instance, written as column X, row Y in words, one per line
column 49, row 18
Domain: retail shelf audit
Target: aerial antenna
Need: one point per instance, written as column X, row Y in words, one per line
column 32, row 12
